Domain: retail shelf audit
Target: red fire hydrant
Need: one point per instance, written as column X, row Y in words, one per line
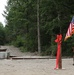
column 58, row 57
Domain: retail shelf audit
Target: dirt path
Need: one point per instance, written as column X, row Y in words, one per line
column 16, row 51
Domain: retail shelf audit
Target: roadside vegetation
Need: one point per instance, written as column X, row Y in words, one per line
column 21, row 28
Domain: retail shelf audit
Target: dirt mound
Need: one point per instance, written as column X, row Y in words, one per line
column 14, row 51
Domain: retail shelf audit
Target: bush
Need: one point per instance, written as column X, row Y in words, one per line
column 18, row 42
column 23, row 49
column 46, row 50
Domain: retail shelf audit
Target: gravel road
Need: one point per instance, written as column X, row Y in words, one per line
column 33, row 66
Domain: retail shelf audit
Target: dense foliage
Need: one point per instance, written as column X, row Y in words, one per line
column 21, row 24
column 2, row 34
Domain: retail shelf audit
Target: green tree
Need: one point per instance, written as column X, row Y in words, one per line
column 2, row 35
column 54, row 18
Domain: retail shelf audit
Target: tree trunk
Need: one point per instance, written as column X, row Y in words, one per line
column 38, row 28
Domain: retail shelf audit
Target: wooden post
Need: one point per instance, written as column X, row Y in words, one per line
column 73, row 60
column 73, row 55
column 60, row 60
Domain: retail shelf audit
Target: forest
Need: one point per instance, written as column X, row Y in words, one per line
column 32, row 25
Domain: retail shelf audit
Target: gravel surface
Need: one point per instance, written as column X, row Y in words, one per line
column 35, row 67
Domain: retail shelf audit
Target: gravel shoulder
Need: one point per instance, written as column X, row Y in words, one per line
column 35, row 67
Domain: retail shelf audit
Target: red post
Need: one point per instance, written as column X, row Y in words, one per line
column 58, row 57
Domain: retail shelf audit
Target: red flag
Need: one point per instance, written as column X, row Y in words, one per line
column 70, row 29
